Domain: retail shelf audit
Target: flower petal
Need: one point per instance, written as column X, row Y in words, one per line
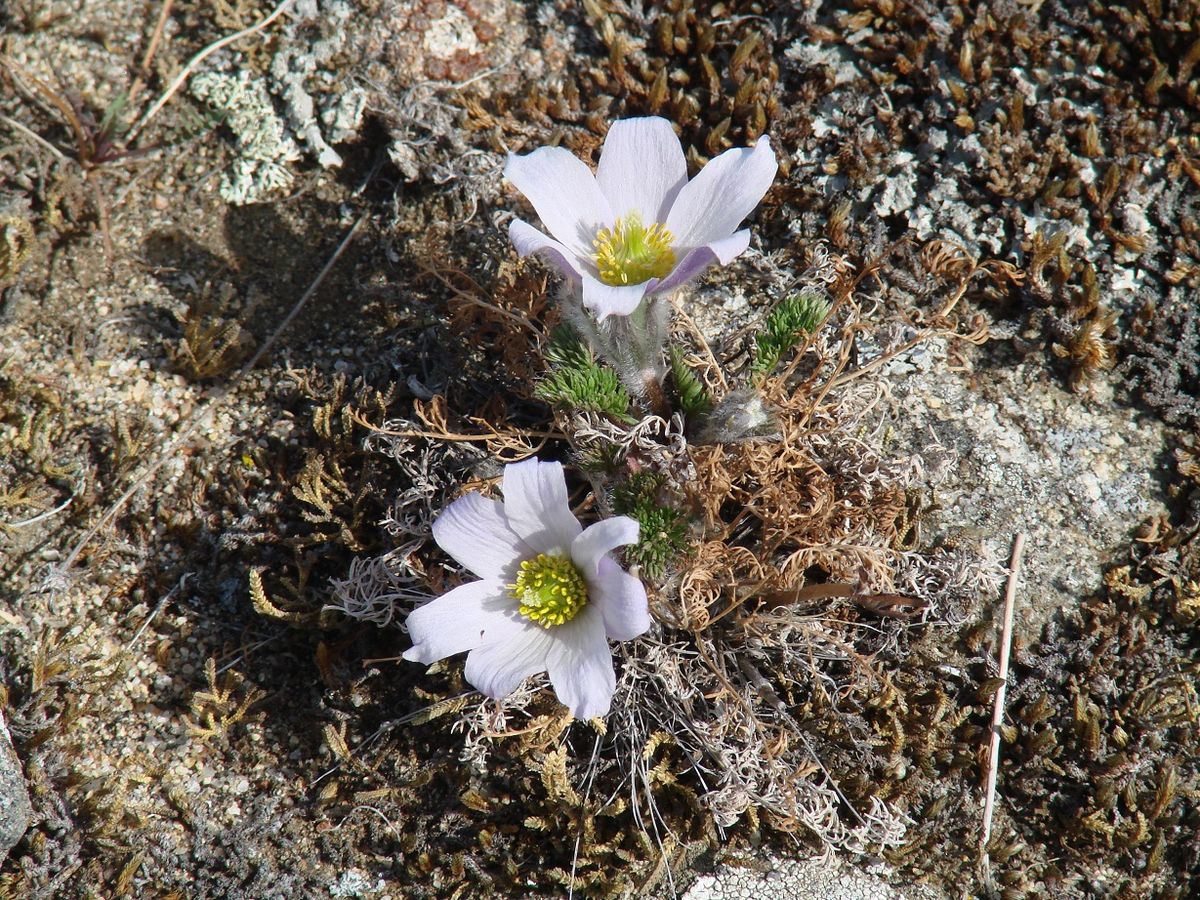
column 536, row 505
column 498, row 667
column 528, row 239
column 606, row 300
column 621, row 599
column 713, row 204
column 476, row 534
column 641, row 167
column 564, row 192
column 461, row 620
column 695, row 261
column 580, row 665
column 599, row 538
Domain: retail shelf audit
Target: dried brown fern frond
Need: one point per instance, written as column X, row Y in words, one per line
column 227, row 701
column 214, row 342
column 1089, row 349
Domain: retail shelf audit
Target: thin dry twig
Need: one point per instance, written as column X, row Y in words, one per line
column 360, row 419
column 17, row 126
column 195, row 61
column 211, row 405
column 989, row 803
column 476, row 299
column 155, row 39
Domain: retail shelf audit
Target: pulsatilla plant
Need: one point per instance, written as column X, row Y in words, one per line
column 549, row 596
column 704, row 580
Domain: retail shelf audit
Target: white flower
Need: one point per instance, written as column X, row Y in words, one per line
column 637, row 226
column 549, row 599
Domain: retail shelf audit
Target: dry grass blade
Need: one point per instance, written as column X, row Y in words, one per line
column 989, row 803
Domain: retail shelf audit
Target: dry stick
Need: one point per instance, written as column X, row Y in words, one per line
column 17, row 126
column 211, row 404
column 1010, row 597
column 155, row 40
column 195, row 61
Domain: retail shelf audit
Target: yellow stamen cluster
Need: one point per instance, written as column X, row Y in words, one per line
column 550, row 590
column 630, row 252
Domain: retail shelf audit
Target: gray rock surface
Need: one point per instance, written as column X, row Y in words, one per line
column 1077, row 478
column 809, row 879
column 15, row 811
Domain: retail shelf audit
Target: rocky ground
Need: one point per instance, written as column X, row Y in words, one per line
column 209, row 305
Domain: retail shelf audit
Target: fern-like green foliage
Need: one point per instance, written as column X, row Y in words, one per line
column 577, row 381
column 693, row 398
column 664, row 530
column 798, row 315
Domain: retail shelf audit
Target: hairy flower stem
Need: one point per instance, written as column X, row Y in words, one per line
column 635, row 349
column 632, row 345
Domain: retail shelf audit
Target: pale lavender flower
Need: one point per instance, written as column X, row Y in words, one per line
column 549, row 598
column 637, row 227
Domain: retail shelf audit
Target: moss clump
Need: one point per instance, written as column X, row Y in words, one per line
column 709, row 68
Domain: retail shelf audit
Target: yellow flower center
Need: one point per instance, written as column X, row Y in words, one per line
column 550, row 590
column 630, row 252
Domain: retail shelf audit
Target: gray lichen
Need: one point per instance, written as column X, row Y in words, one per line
column 321, row 109
column 263, row 143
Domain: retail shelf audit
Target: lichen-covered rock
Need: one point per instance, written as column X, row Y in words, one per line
column 15, row 810
column 442, row 40
column 264, row 145
column 1076, row 479
column 810, row 879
